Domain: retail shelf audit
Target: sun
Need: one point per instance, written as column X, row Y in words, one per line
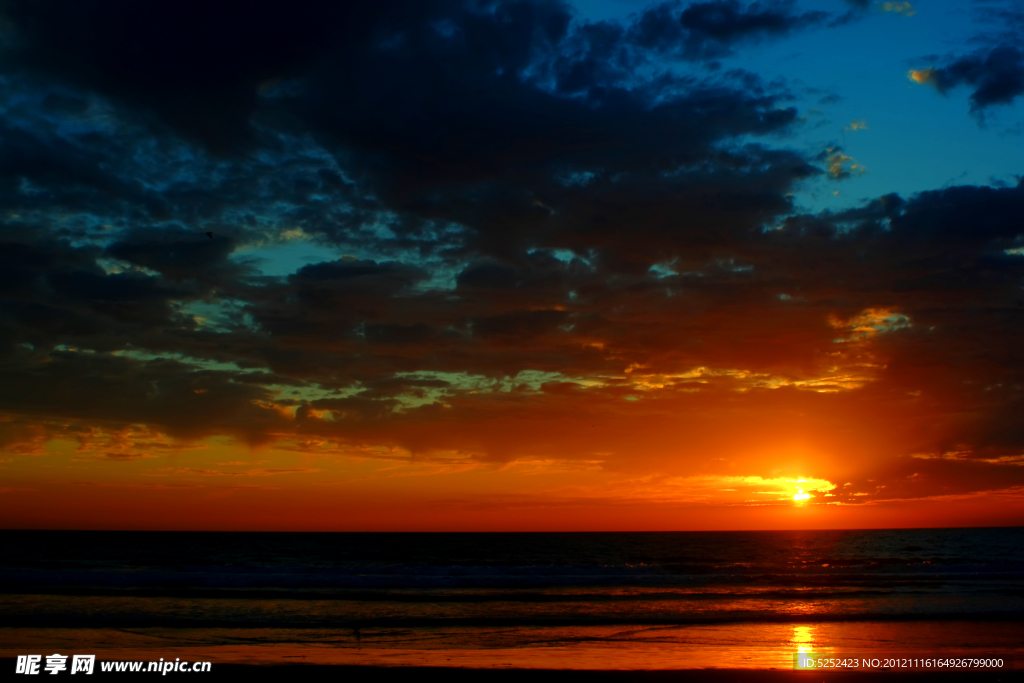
column 800, row 495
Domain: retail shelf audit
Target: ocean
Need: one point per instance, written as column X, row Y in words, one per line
column 686, row 600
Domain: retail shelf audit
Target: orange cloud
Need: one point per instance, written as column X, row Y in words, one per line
column 841, row 165
column 902, row 8
column 922, row 76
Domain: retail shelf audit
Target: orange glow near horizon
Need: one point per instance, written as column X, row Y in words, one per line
column 847, row 441
column 216, row 484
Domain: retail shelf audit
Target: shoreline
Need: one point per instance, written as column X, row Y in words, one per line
column 750, row 647
column 377, row 674
column 316, row 672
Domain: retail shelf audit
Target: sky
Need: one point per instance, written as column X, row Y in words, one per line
column 511, row 265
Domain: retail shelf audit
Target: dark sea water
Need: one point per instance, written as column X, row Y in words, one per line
column 578, row 600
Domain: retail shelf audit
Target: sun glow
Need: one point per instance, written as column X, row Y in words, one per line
column 803, row 638
column 800, row 495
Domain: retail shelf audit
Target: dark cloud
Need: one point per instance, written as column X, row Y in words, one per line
column 176, row 253
column 727, row 21
column 54, row 295
column 488, row 276
column 360, row 277
column 440, row 114
column 198, row 66
column 709, row 30
column 160, row 392
column 996, row 76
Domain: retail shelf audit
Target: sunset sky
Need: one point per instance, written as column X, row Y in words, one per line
column 511, row 265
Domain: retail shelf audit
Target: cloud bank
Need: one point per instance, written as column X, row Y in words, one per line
column 538, row 239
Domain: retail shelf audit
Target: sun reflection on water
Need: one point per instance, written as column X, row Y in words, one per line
column 803, row 638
